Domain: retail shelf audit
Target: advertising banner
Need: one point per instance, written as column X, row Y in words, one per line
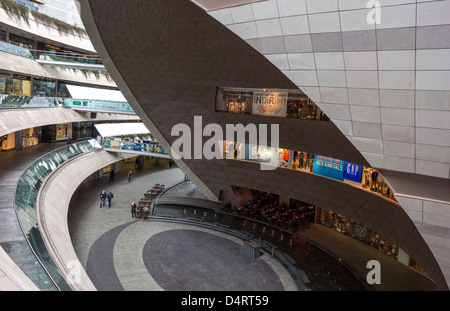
column 272, row 104
column 98, row 105
column 328, row 167
column 137, row 147
column 114, row 144
column 353, row 171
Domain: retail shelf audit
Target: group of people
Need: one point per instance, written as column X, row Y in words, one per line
column 106, row 199
column 267, row 207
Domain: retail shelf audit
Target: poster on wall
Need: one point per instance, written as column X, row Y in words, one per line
column 272, row 104
column 353, row 171
column 328, row 167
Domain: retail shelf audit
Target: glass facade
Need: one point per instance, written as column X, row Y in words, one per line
column 17, row 85
column 31, row 137
column 44, row 87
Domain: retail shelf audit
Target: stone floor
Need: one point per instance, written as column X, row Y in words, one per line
column 120, row 253
column 114, row 228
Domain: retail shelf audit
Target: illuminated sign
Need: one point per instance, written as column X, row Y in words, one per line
column 353, row 171
column 328, row 167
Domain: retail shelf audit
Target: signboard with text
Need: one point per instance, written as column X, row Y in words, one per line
column 353, row 171
column 272, row 104
column 328, row 167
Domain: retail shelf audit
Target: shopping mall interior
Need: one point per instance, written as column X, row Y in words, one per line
column 224, row 146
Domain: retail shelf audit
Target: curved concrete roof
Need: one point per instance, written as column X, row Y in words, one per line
column 12, row 120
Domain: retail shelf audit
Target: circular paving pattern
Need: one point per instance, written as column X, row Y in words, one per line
column 183, row 259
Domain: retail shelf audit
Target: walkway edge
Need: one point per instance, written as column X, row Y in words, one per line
column 52, row 210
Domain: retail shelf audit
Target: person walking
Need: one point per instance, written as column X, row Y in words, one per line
column 102, row 198
column 133, row 210
column 130, row 176
column 109, row 198
column 111, row 176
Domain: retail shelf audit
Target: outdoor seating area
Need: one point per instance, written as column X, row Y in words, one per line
column 145, row 206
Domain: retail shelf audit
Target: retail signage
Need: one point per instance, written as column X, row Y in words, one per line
column 98, row 105
column 259, row 154
column 114, row 144
column 328, row 167
column 272, row 104
column 353, row 171
column 361, row 232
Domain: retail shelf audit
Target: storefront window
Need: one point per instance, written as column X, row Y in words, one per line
column 274, row 103
column 2, row 35
column 21, row 85
column 43, row 87
column 8, row 141
column 31, row 137
column 63, row 131
column 62, row 90
column 234, row 101
column 6, row 86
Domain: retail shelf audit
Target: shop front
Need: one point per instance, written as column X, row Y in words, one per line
column 8, row 142
column 82, row 130
column 31, row 137
column 356, row 230
column 57, row 132
column 44, row 87
column 15, row 85
column 268, row 102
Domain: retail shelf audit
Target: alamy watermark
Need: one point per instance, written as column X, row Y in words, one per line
column 74, row 272
column 189, row 144
column 374, row 275
column 374, row 15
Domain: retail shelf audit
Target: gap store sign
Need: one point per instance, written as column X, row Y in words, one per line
column 337, row 169
column 353, row 171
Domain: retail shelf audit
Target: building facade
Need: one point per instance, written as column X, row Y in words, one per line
column 380, row 84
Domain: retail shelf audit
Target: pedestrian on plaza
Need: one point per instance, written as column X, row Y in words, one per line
column 130, row 176
column 145, row 212
column 170, row 163
column 111, row 176
column 133, row 210
column 69, row 140
column 102, row 198
column 109, row 198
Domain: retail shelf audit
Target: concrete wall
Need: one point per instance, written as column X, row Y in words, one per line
column 13, row 120
column 44, row 32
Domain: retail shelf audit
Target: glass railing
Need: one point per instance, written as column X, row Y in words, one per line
column 83, row 59
column 25, row 101
column 133, row 145
column 26, row 194
column 16, row 50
